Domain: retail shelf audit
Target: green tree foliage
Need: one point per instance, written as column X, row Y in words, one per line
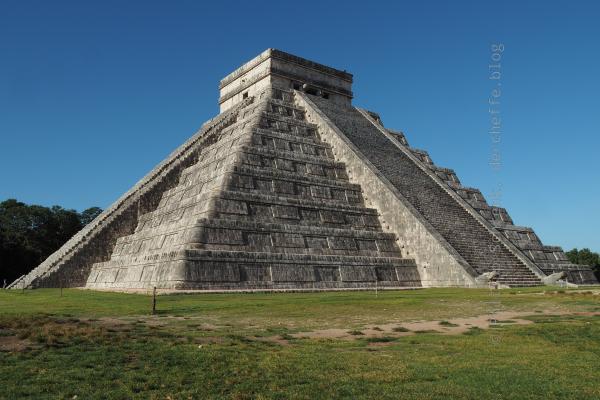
column 30, row 233
column 88, row 215
column 585, row 257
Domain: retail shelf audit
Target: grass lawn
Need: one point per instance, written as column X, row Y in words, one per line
column 340, row 345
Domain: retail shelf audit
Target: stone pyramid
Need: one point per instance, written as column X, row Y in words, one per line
column 291, row 187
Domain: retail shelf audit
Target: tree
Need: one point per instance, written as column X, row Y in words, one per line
column 585, row 257
column 30, row 233
column 88, row 215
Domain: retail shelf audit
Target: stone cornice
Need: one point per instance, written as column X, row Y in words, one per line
column 281, row 55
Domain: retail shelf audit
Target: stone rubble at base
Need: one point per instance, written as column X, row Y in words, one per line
column 291, row 187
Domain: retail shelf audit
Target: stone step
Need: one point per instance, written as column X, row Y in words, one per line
column 521, row 284
column 517, row 277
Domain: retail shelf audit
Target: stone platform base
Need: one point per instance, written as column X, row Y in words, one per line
column 222, row 270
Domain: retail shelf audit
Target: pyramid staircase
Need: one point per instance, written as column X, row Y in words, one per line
column 549, row 259
column 475, row 242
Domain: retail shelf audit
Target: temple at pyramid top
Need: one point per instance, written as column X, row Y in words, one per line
column 291, row 187
column 276, row 68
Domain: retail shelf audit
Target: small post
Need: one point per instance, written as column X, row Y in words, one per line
column 61, row 285
column 376, row 285
column 154, row 300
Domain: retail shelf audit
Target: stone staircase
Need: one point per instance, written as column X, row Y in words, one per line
column 474, row 242
column 549, row 259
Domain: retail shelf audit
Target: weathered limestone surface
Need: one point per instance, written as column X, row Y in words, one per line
column 70, row 265
column 291, row 187
column 266, row 206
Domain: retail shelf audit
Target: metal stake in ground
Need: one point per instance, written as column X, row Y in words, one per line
column 154, row 300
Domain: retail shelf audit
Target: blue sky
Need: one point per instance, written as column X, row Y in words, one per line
column 94, row 94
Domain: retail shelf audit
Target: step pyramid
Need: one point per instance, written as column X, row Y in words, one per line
column 290, row 187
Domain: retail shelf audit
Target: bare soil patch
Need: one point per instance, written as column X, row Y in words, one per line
column 13, row 344
column 454, row 326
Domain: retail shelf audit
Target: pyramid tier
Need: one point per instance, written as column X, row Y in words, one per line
column 227, row 270
column 238, row 235
column 245, row 206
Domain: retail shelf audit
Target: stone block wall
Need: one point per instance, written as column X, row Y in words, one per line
column 265, row 206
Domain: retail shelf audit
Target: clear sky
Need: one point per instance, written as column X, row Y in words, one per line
column 94, row 94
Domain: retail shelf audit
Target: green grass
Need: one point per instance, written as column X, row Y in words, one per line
column 447, row 323
column 474, row 330
column 241, row 346
column 381, row 339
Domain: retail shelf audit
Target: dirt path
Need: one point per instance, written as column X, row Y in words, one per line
column 454, row 326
